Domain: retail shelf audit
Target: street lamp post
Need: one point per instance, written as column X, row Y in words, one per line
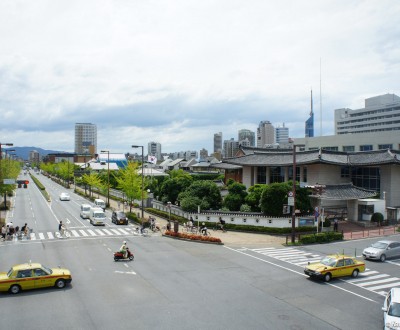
column 294, row 193
column 134, row 146
column 1, row 171
column 108, row 176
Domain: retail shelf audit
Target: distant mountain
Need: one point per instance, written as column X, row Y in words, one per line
column 23, row 152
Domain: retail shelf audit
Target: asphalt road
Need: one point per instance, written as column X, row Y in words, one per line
column 173, row 284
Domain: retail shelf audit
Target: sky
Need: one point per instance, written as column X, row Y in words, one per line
column 178, row 71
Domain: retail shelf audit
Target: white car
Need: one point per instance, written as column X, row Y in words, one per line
column 64, row 197
column 391, row 310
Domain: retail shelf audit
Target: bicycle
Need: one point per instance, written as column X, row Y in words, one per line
column 63, row 233
column 141, row 231
column 219, row 226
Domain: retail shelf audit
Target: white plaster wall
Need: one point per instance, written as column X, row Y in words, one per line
column 390, row 183
column 324, row 174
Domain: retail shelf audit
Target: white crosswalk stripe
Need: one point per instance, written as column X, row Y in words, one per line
column 85, row 232
column 370, row 280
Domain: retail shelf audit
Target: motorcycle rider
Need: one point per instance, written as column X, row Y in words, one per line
column 124, row 250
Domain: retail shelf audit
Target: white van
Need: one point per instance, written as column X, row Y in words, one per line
column 85, row 211
column 97, row 216
column 100, row 203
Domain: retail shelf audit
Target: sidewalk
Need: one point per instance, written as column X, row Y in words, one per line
column 350, row 231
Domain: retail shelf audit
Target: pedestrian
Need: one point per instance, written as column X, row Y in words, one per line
column 335, row 225
column 119, row 203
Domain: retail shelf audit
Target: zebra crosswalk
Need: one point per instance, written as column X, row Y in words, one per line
column 84, row 233
column 370, row 280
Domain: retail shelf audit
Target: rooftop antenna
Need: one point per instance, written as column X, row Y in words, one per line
column 320, row 100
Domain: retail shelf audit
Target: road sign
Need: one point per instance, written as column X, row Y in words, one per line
column 290, row 201
column 9, row 181
column 290, row 193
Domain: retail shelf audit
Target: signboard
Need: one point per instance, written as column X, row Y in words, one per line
column 306, row 222
column 290, row 201
column 9, row 181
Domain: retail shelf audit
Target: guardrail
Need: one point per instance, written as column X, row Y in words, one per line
column 371, row 232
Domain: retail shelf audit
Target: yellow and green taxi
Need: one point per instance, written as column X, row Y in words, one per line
column 337, row 265
column 33, row 276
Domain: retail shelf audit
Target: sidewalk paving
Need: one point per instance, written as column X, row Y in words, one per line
column 350, row 231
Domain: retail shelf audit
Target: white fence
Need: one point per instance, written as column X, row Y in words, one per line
column 236, row 218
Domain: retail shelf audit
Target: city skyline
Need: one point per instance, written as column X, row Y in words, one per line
column 178, row 72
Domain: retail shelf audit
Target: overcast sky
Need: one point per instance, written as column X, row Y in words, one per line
column 178, row 71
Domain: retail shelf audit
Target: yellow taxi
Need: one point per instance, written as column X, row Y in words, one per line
column 337, row 265
column 33, row 276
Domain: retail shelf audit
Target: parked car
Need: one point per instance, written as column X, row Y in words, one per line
column 382, row 250
column 391, row 310
column 33, row 276
column 119, row 218
column 64, row 197
column 335, row 266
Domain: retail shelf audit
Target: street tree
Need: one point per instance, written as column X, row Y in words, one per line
column 205, row 194
column 236, row 196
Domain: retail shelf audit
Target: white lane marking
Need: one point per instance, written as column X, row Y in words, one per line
column 123, row 231
column 115, row 231
column 75, row 233
column 83, row 233
column 108, row 232
column 386, row 280
column 41, row 236
column 391, row 285
column 100, row 232
column 91, row 232
column 299, row 273
column 366, row 278
column 33, row 236
column 121, row 272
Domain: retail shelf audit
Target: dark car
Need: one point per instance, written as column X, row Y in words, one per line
column 119, row 218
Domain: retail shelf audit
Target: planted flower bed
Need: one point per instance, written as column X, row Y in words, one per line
column 193, row 237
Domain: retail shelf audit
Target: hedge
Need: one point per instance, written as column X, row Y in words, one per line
column 321, row 238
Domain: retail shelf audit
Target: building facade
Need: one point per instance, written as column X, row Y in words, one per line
column 282, row 135
column 249, row 135
column 218, row 142
column 85, row 138
column 231, row 147
column 381, row 113
column 154, row 149
column 265, row 134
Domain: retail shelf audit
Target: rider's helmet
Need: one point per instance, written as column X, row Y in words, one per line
column 203, row 224
column 124, row 242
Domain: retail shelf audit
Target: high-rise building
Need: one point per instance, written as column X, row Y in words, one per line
column 85, row 138
column 231, row 147
column 154, row 149
column 247, row 134
column 34, row 156
column 218, row 142
column 203, row 154
column 265, row 134
column 282, row 134
column 309, row 131
column 381, row 113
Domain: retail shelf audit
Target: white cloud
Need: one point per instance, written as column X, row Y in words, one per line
column 176, row 71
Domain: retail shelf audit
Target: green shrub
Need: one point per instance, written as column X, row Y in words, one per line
column 321, row 238
column 377, row 217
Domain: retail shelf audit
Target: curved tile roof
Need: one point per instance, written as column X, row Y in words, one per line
column 345, row 192
column 285, row 158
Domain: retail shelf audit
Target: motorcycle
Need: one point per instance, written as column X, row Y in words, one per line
column 120, row 256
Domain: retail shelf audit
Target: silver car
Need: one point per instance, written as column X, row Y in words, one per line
column 382, row 250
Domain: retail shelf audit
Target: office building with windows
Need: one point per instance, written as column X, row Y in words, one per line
column 282, row 135
column 247, row 134
column 85, row 138
column 154, row 149
column 381, row 113
column 265, row 134
column 218, row 142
